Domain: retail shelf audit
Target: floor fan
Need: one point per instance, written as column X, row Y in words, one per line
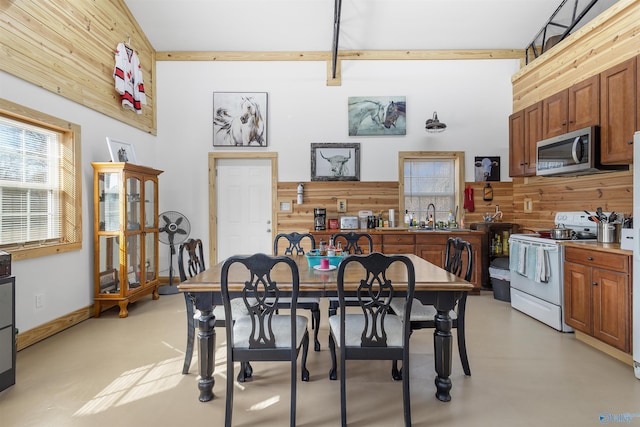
column 174, row 229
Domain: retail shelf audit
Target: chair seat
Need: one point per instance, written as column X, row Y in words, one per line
column 281, row 325
column 419, row 311
column 354, row 325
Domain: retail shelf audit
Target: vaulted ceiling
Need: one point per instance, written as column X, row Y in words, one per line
column 307, row 25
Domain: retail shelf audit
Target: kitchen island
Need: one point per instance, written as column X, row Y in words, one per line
column 427, row 244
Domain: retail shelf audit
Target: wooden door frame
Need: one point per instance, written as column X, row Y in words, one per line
column 213, row 194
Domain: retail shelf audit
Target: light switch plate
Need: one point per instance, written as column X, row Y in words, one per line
column 285, row 206
column 528, row 205
column 342, row 205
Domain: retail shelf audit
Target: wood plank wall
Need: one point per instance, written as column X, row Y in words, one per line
column 609, row 39
column 67, row 47
column 375, row 196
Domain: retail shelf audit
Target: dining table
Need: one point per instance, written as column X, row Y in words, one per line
column 433, row 285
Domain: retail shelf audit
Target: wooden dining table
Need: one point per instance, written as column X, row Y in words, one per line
column 434, row 286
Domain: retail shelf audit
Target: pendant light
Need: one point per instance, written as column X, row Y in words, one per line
column 434, row 125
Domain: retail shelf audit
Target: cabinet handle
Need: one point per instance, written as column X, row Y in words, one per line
column 630, row 142
column 595, row 283
column 589, row 258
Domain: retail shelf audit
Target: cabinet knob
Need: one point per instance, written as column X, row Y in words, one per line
column 589, row 258
column 595, row 283
column 630, row 142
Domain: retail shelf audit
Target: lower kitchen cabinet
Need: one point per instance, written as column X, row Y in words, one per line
column 597, row 295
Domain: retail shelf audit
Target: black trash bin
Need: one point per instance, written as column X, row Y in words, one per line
column 500, row 279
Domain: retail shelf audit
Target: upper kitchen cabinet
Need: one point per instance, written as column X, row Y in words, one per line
column 572, row 109
column 618, row 112
column 525, row 129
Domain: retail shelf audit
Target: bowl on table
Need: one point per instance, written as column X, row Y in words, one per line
column 314, row 257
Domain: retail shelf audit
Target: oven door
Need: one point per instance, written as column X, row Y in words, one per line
column 551, row 290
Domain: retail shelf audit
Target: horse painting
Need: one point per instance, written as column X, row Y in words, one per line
column 377, row 116
column 243, row 125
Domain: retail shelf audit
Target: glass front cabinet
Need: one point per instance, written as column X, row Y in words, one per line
column 125, row 234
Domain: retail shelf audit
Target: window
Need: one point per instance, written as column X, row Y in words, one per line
column 40, row 204
column 431, row 177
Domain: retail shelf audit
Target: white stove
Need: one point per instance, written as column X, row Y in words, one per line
column 536, row 264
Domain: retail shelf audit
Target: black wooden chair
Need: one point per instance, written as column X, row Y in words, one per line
column 263, row 335
column 375, row 333
column 194, row 265
column 352, row 242
column 295, row 244
column 459, row 261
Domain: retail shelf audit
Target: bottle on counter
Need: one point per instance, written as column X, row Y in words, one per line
column 407, row 218
column 451, row 219
column 331, row 250
column 498, row 250
column 323, row 248
column 380, row 220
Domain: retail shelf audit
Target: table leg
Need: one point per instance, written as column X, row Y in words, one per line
column 206, row 344
column 442, row 343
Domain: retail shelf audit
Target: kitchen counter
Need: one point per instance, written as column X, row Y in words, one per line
column 396, row 230
column 603, row 247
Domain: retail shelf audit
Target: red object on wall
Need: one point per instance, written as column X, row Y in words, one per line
column 469, row 205
column 333, row 223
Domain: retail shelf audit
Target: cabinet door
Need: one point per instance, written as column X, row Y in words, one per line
column 618, row 113
column 584, row 104
column 435, row 254
column 516, row 144
column 532, row 134
column 577, row 296
column 611, row 308
column 554, row 114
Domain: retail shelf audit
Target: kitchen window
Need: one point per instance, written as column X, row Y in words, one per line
column 431, row 177
column 40, row 203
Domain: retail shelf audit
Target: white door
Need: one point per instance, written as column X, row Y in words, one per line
column 244, row 207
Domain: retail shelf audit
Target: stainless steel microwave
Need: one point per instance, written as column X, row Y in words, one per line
column 574, row 153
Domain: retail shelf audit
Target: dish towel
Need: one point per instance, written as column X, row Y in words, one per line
column 531, row 262
column 542, row 267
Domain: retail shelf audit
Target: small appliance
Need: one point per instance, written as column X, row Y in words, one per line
column 349, row 222
column 320, row 219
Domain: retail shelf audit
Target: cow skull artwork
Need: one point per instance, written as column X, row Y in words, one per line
column 335, row 162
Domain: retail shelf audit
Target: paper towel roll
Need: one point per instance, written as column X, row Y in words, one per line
column 392, row 215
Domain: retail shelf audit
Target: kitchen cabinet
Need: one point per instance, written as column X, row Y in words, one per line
column 618, row 95
column 399, row 243
column 125, row 234
column 571, row 109
column 597, row 295
column 525, row 130
column 7, row 332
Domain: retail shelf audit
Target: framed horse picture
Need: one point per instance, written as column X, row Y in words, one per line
column 377, row 115
column 335, row 162
column 240, row 119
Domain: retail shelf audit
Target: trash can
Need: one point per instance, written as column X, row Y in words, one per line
column 501, row 279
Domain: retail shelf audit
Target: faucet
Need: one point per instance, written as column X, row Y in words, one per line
column 431, row 205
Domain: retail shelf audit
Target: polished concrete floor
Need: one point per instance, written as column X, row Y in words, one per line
column 127, row 372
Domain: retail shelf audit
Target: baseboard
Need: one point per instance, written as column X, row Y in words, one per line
column 605, row 348
column 39, row 333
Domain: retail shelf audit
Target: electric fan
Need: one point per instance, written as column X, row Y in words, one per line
column 174, row 229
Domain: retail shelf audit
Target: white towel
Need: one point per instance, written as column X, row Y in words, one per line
column 522, row 260
column 542, row 267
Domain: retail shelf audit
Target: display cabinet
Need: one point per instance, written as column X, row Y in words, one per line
column 125, row 234
column 7, row 332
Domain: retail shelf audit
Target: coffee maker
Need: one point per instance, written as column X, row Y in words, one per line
column 320, row 219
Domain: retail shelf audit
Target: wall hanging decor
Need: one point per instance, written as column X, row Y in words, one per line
column 127, row 75
column 335, row 162
column 487, row 169
column 240, row 119
column 377, row 115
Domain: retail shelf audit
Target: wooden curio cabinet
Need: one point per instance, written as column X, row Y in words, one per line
column 125, row 234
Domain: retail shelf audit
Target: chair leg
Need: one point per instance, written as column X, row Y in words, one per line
column 246, row 372
column 406, row 395
column 305, row 352
column 229, row 404
column 332, row 349
column 333, row 307
column 315, row 316
column 191, row 331
column 343, row 389
column 396, row 373
column 462, row 348
column 305, row 349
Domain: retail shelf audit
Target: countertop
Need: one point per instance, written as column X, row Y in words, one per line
column 604, row 247
column 397, row 230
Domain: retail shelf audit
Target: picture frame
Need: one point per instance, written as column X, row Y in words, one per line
column 487, row 168
column 121, row 151
column 377, row 115
column 240, row 119
column 335, row 162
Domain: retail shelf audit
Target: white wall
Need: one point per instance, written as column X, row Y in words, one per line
column 66, row 280
column 472, row 97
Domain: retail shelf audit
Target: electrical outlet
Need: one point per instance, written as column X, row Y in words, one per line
column 341, row 205
column 39, row 300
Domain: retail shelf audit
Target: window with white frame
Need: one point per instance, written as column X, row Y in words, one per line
column 39, row 183
column 431, row 178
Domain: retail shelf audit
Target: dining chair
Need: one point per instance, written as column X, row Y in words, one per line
column 352, row 241
column 459, row 261
column 375, row 333
column 263, row 335
column 294, row 242
column 191, row 265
